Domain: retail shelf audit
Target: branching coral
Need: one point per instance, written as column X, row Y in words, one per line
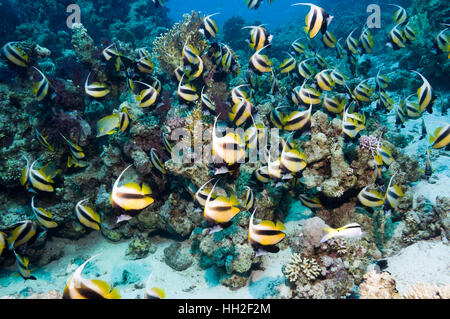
column 368, row 142
column 300, row 266
column 168, row 47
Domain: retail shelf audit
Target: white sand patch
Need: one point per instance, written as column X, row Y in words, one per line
column 425, row 261
column 111, row 262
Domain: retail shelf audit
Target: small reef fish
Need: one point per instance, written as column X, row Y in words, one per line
column 22, row 266
column 166, row 143
column 145, row 65
column 309, row 96
column 178, row 73
column 87, row 216
column 2, row 242
column 75, row 149
column 95, row 89
column 240, row 112
column 237, row 94
column 220, row 210
column 227, row 59
column 40, row 179
column 43, row 141
column 153, row 292
column 255, row 136
column 108, row 125
column 156, row 161
column 352, row 123
column 393, row 194
column 79, row 287
column 313, row 203
column 266, row 235
column 334, row 104
column 305, row 70
column 260, row 63
column 190, row 54
column 25, row 173
column 338, row 77
column 14, row 54
column 253, row 4
column 412, row 109
column 382, row 81
column 425, row 95
column 329, row 40
column 366, row 41
column 339, row 50
column 352, row 230
column 259, row 37
column 384, row 155
column 229, row 148
column 186, row 92
column 317, row 20
column 23, row 233
column 396, row 39
column 324, row 80
column 288, row 65
column 274, row 88
column 410, row 34
column 277, row 118
column 400, row 16
column 441, row 44
column 424, row 130
column 43, row 216
column 148, row 96
column 262, row 175
column 441, row 137
column 293, row 160
column 207, row 102
column 40, row 88
column 202, row 194
column 274, row 167
column 369, row 197
column 109, row 52
column 72, row 161
column 124, row 120
column 249, row 198
column 363, row 92
column 298, row 47
column 400, row 114
column 131, row 196
column 209, row 26
column 428, row 169
column 351, row 43
column 384, row 102
column 299, row 121
column 321, row 61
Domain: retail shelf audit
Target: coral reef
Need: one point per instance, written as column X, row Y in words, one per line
column 378, row 286
column 168, row 47
column 178, row 257
column 110, row 42
column 301, row 266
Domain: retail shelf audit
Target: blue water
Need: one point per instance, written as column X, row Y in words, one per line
column 274, row 15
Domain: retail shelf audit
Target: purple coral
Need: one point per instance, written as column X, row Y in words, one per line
column 369, row 142
column 175, row 122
